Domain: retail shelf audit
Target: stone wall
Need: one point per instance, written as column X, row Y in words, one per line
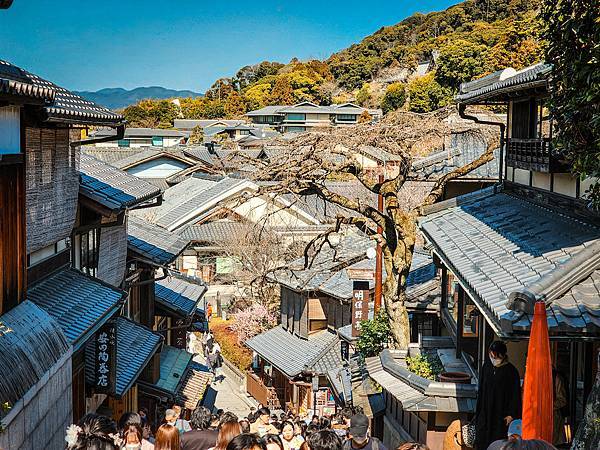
column 40, row 418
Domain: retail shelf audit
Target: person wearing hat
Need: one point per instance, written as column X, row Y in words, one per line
column 358, row 435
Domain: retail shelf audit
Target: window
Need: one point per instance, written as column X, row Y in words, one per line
column 295, row 129
column 88, row 252
column 123, row 143
column 296, row 116
column 10, row 130
column 157, row 141
column 346, row 117
column 452, row 298
column 244, row 132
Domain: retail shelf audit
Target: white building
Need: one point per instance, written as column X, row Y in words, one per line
column 143, row 137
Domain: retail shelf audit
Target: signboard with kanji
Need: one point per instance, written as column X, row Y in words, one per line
column 180, row 334
column 360, row 309
column 105, row 370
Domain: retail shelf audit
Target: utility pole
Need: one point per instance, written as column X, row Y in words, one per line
column 379, row 254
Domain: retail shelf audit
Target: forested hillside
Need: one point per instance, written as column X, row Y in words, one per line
column 467, row 40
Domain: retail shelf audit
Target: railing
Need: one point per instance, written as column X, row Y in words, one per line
column 529, row 154
column 261, row 393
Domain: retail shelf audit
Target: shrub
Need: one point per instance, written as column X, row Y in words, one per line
column 394, row 97
column 374, row 335
column 238, row 354
column 424, row 365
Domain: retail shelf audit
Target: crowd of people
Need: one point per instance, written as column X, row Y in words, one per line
column 348, row 430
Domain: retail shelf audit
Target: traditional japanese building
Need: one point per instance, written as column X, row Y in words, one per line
column 530, row 237
column 304, row 363
column 41, row 296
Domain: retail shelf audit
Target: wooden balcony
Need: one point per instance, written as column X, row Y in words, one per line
column 530, row 154
column 261, row 393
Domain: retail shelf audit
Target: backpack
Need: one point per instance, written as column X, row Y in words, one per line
column 374, row 444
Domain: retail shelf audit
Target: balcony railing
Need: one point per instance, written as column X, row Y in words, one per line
column 261, row 393
column 530, row 154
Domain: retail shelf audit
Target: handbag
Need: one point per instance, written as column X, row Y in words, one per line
column 468, row 434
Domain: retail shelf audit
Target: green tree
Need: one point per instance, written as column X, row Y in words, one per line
column 394, row 97
column 364, row 94
column 573, row 37
column 460, row 61
column 374, row 335
column 426, row 94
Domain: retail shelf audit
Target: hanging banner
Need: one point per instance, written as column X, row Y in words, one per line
column 360, row 309
column 105, row 370
column 179, row 334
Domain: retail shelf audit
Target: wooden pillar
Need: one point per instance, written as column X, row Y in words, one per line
column 573, row 358
column 444, row 302
column 460, row 321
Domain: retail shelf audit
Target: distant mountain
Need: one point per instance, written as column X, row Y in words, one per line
column 116, row 98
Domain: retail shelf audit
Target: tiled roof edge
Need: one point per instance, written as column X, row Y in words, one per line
column 556, row 283
column 462, row 199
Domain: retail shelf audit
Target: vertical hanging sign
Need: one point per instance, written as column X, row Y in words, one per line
column 105, row 370
column 180, row 334
column 360, row 305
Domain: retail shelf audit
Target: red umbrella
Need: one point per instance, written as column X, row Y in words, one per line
column 538, row 391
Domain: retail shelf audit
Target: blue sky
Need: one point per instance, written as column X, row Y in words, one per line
column 182, row 44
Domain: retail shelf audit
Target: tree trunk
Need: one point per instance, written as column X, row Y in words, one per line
column 397, row 261
column 588, row 434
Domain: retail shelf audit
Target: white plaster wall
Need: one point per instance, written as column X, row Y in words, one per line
column 541, row 180
column 158, row 168
column 39, row 420
column 257, row 209
column 510, row 173
column 565, row 183
column 521, row 176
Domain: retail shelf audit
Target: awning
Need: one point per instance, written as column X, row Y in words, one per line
column 174, row 365
column 502, row 247
column 292, row 355
column 136, row 345
column 80, row 304
column 31, row 343
column 194, row 386
column 153, row 242
column 113, row 188
column 179, row 296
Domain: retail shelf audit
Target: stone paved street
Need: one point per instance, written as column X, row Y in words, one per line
column 226, row 394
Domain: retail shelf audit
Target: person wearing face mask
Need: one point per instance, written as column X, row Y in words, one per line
column 498, row 397
column 133, row 439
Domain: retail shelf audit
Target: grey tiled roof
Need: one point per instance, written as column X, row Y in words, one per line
column 190, row 124
column 200, row 153
column 124, row 158
column 140, row 132
column 136, row 345
column 62, row 105
column 291, row 354
column 498, row 245
column 80, row 304
column 193, row 196
column 179, row 295
column 153, row 242
column 33, row 346
column 325, row 265
column 462, row 150
column 112, row 187
column 219, row 232
column 413, row 398
column 502, row 82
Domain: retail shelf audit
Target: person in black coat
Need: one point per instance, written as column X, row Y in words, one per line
column 498, row 397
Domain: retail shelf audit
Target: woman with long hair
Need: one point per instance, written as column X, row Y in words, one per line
column 289, row 438
column 227, row 432
column 93, row 432
column 167, row 438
